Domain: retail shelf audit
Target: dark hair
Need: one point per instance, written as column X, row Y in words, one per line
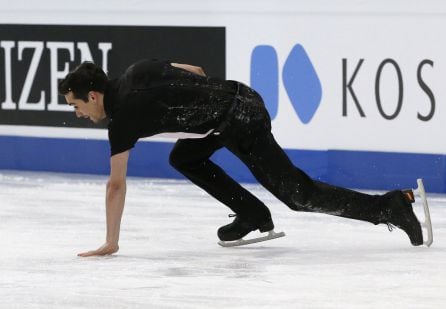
column 84, row 78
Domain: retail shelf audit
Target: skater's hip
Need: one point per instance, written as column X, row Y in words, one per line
column 246, row 112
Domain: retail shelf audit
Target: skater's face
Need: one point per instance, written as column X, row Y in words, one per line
column 93, row 109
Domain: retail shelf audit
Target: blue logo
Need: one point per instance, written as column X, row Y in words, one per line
column 299, row 79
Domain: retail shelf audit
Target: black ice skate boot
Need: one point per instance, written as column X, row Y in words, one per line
column 398, row 212
column 240, row 227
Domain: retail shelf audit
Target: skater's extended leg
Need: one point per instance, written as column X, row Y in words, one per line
column 191, row 158
column 274, row 170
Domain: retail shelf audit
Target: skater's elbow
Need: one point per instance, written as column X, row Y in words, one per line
column 200, row 71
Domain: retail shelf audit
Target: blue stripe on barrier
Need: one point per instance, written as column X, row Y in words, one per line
column 354, row 169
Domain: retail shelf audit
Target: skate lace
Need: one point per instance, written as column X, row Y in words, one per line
column 390, row 226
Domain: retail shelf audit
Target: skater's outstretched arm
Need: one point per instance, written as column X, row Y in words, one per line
column 115, row 199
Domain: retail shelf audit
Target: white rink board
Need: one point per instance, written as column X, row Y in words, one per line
column 407, row 32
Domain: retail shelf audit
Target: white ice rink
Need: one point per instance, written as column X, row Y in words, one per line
column 169, row 257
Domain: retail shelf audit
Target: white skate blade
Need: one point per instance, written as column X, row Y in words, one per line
column 427, row 217
column 242, row 242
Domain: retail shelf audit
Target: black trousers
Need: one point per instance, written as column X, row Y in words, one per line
column 248, row 136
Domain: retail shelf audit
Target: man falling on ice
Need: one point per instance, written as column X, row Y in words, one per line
column 154, row 97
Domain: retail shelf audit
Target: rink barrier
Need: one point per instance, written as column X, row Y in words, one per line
column 353, row 169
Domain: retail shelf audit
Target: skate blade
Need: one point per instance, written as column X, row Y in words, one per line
column 421, row 192
column 243, row 242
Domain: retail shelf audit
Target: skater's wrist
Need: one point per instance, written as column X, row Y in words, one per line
column 111, row 246
column 111, row 241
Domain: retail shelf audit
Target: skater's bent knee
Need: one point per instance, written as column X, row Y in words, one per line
column 176, row 161
column 182, row 163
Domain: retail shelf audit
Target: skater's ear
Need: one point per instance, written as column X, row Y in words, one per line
column 93, row 96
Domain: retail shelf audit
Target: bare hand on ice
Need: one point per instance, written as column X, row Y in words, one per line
column 105, row 249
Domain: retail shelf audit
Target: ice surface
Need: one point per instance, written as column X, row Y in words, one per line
column 169, row 257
